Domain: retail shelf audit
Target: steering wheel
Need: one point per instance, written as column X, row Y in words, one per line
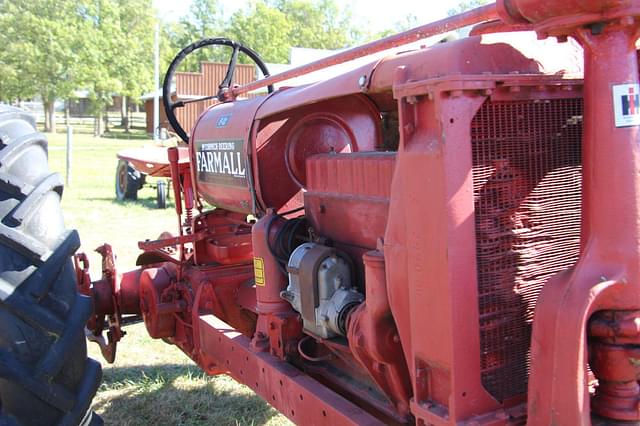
column 224, row 87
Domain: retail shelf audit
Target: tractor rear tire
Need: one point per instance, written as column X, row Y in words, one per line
column 45, row 375
column 128, row 181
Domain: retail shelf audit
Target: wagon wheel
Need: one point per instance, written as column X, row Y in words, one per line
column 161, row 196
column 223, row 87
column 128, row 181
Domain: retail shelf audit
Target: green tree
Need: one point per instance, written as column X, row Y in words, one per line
column 40, row 40
column 204, row 20
column 273, row 27
column 119, row 52
column 12, row 87
column 407, row 22
column 100, row 58
column 319, row 24
column 134, row 66
column 171, row 42
column 53, row 47
column 264, row 29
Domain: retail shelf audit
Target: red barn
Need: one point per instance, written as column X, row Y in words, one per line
column 190, row 85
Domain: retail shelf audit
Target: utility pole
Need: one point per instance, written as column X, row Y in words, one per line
column 69, row 152
column 156, row 83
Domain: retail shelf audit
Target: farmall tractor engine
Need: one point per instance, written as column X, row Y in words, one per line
column 449, row 235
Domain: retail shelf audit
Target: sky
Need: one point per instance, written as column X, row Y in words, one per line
column 377, row 15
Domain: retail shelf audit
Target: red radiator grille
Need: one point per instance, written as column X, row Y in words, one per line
column 526, row 178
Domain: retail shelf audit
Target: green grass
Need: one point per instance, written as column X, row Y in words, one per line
column 151, row 382
column 154, row 383
column 89, row 202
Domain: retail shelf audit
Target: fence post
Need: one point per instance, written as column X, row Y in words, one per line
column 69, row 155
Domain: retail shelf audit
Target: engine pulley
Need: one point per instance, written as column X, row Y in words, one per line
column 320, row 288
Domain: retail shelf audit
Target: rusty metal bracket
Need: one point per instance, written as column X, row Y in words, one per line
column 106, row 309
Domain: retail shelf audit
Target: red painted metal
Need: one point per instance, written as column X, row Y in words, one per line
column 170, row 241
column 279, row 327
column 561, row 18
column 227, row 239
column 498, row 26
column 606, row 275
column 108, row 303
column 270, row 278
column 153, row 161
column 527, row 222
column 483, row 195
column 437, row 276
column 176, row 168
column 295, row 394
column 158, row 305
column 184, row 197
column 374, row 340
column 238, row 120
column 614, row 351
column 346, row 189
column 490, row 54
column 303, row 142
column 340, row 125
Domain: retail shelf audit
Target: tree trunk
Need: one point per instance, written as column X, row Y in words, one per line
column 51, row 112
column 106, row 119
column 46, row 116
column 125, row 114
column 98, row 129
column 123, row 109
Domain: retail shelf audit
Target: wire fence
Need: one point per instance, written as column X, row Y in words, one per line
column 87, row 124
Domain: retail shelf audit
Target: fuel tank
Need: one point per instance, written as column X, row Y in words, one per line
column 247, row 164
column 220, row 152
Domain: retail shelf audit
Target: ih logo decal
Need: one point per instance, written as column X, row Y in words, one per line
column 630, row 103
column 626, row 104
column 223, row 120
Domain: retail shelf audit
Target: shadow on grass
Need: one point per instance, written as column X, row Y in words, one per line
column 176, row 394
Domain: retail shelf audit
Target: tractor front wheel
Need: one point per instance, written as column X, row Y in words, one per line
column 45, row 375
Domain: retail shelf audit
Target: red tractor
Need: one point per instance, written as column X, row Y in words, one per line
column 449, row 235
